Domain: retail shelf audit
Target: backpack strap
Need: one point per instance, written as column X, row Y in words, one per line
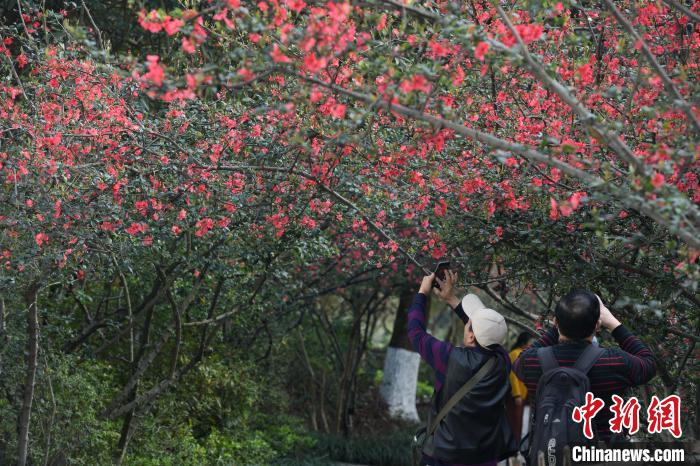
column 468, row 385
column 588, row 358
column 547, row 359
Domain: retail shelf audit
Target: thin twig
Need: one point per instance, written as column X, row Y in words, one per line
column 94, row 26
column 19, row 81
column 683, row 9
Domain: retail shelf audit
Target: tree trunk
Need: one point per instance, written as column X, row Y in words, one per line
column 342, row 421
column 398, row 387
column 30, row 299
column 125, row 435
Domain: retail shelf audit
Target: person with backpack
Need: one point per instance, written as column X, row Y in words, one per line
column 564, row 364
column 467, row 424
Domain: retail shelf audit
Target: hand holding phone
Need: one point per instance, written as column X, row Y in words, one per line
column 440, row 270
column 446, row 292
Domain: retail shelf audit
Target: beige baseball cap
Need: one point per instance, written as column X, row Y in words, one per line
column 489, row 326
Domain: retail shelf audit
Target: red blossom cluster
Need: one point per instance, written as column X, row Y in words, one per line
column 161, row 171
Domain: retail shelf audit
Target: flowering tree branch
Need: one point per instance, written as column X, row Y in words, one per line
column 688, row 233
column 671, row 88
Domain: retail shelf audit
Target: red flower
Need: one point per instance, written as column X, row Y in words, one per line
column 440, row 208
column 657, row 180
column 224, row 222
column 203, row 226
column 553, row 211
column 439, row 251
column 338, row 111
column 480, row 50
column 308, row 222
column 136, row 228
column 155, row 71
column 150, row 23
column 41, row 239
column 416, row 83
column 278, row 56
column 576, row 197
column 529, row 32
column 490, row 209
column 566, row 209
column 279, row 221
column 187, row 45
column 458, row 77
column 313, row 64
column 295, row 5
column 586, row 74
column 382, row 22
column 246, row 74
column 108, row 226
column 57, row 209
column 172, row 26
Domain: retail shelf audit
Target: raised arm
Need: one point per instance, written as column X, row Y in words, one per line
column 639, row 360
column 435, row 352
column 460, row 313
column 638, row 357
column 548, row 338
column 446, row 293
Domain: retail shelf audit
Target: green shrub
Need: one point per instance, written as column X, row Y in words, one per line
column 391, row 450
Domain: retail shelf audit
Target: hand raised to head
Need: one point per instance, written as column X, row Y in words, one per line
column 607, row 319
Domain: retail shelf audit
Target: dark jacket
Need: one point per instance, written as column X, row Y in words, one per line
column 439, row 355
column 476, row 429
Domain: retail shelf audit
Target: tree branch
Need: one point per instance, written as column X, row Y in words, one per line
column 683, row 9
column 687, row 233
column 598, row 131
column 671, row 89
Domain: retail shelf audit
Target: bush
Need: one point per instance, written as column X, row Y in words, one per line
column 390, row 450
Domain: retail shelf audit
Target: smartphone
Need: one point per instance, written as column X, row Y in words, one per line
column 440, row 272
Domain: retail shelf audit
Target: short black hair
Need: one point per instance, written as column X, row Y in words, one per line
column 523, row 339
column 577, row 314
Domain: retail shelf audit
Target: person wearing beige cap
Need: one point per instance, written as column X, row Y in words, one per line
column 475, row 431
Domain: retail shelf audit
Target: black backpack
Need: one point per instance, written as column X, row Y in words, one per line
column 559, row 391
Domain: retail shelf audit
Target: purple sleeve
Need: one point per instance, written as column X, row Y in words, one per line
column 435, row 352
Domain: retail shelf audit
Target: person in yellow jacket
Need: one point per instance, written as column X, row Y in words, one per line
column 515, row 403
